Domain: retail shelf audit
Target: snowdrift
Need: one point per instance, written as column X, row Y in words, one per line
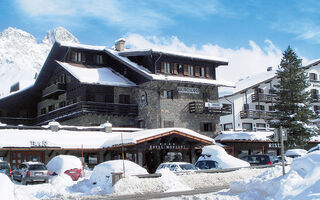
column 6, row 187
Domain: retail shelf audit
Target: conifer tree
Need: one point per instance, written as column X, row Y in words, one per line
column 293, row 100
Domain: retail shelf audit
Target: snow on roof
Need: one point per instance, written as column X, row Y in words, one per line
column 162, row 77
column 75, row 139
column 175, row 53
column 134, row 137
column 250, row 82
column 243, row 135
column 312, row 63
column 102, row 75
column 82, row 46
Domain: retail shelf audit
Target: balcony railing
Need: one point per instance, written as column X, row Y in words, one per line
column 53, row 90
column 263, row 98
column 257, row 114
column 209, row 108
column 77, row 109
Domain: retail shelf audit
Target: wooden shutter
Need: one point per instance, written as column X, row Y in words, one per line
column 185, row 70
column 207, row 72
column 197, row 69
column 175, row 68
column 162, row 68
column 73, row 56
column 83, row 57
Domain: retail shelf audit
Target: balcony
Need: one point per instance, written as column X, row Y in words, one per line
column 257, row 114
column 54, row 90
column 209, row 108
column 263, row 98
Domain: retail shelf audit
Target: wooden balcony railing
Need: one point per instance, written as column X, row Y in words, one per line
column 53, row 90
column 263, row 98
column 257, row 114
column 210, row 108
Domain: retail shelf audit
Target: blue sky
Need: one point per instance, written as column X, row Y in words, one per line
column 256, row 29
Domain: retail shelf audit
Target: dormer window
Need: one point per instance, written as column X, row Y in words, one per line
column 202, row 72
column 78, row 56
column 167, row 68
column 190, row 70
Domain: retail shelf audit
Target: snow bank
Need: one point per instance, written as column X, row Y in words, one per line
column 218, row 154
column 296, row 152
column 301, row 182
column 6, row 192
column 62, row 163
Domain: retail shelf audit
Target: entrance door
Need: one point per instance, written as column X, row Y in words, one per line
column 17, row 157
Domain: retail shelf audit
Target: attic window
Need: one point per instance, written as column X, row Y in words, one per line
column 78, row 56
column 98, row 59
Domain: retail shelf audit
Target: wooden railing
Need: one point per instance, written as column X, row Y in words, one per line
column 200, row 108
column 53, row 89
column 257, row 114
column 263, row 98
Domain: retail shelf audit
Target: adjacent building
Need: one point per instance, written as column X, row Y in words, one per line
column 90, row 85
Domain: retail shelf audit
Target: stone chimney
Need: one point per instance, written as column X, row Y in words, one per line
column 119, row 44
column 269, row 69
column 107, row 127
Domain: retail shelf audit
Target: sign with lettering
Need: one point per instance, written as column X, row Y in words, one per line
column 212, row 105
column 38, row 143
column 166, row 146
column 188, row 90
column 274, row 145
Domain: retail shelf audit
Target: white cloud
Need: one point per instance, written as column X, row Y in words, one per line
column 243, row 62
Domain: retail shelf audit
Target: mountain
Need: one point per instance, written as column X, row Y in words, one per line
column 21, row 56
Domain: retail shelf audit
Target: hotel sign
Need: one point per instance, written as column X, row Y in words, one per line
column 188, row 90
column 166, row 146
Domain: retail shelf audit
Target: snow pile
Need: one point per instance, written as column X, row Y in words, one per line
column 251, row 136
column 21, row 57
column 101, row 176
column 6, row 192
column 301, row 182
column 62, row 163
column 315, row 148
column 218, row 154
column 295, row 152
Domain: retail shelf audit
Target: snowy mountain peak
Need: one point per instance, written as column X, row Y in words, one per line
column 59, row 34
column 16, row 35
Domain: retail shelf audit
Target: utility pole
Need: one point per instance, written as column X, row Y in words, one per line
column 282, row 149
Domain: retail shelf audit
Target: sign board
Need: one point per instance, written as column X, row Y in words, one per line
column 277, row 136
column 188, row 90
column 213, row 105
column 38, row 143
column 166, row 146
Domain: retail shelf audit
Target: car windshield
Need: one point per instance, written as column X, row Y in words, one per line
column 187, row 167
column 208, row 164
column 37, row 167
column 4, row 166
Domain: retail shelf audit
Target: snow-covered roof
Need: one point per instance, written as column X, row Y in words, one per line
column 88, row 139
column 101, row 75
column 82, row 46
column 250, row 82
column 175, row 53
column 144, row 71
column 244, row 135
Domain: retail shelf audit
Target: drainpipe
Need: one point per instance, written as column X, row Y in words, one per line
column 233, row 114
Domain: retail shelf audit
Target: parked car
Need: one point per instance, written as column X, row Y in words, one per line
column 315, row 148
column 65, row 164
column 214, row 156
column 177, row 167
column 287, row 160
column 260, row 159
column 295, row 153
column 5, row 168
column 29, row 172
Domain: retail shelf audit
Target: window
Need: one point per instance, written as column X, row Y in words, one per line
column 245, row 106
column 168, row 124
column 259, row 107
column 261, row 125
column 247, row 126
column 206, row 127
column 190, row 70
column 51, row 108
column 124, row 98
column 78, row 56
column 202, row 72
column 272, row 108
column 313, row 76
column 98, row 59
column 168, row 94
column 316, row 109
column 141, row 124
column 258, row 91
column 43, row 111
column 227, row 127
column 167, row 68
column 180, row 69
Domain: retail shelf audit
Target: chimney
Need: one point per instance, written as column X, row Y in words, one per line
column 119, row 44
column 107, row 127
column 54, row 126
column 269, row 69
